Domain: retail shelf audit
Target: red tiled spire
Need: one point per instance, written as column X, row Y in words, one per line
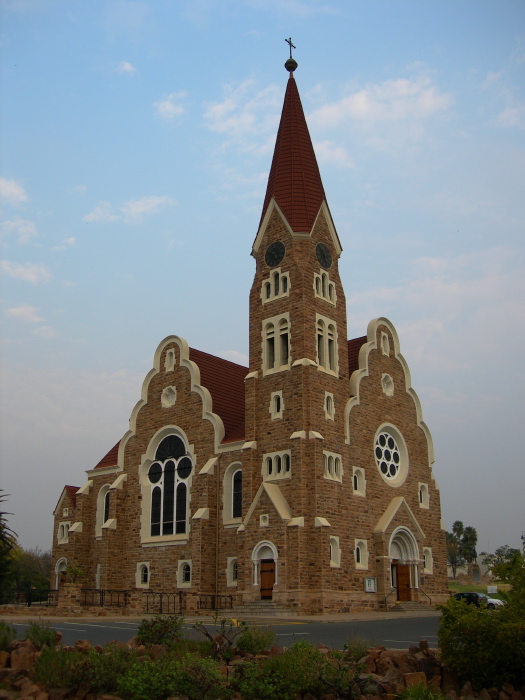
column 294, row 178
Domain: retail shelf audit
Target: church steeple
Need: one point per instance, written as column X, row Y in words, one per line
column 294, row 181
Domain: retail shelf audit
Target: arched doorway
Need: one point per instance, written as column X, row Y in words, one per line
column 60, row 568
column 264, row 558
column 404, row 556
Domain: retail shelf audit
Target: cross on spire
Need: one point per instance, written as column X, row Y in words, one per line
column 289, row 42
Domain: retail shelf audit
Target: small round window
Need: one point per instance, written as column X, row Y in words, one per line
column 391, row 455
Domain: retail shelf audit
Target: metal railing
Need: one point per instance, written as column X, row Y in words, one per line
column 104, row 598
column 164, row 603
column 45, row 597
column 210, row 601
column 425, row 594
column 393, row 591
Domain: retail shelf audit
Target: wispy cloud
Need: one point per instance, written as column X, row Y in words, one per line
column 246, row 116
column 126, row 68
column 44, row 332
column 66, row 243
column 22, row 229
column 24, row 312
column 28, row 272
column 329, row 153
column 171, row 107
column 11, row 192
column 392, row 100
column 130, row 212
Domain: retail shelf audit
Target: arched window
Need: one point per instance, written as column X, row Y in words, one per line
column 276, row 286
column 168, row 476
column 276, row 343
column 232, row 571
column 277, row 465
column 106, row 506
column 103, row 509
column 323, row 288
column 237, row 495
column 359, row 482
column 184, row 574
column 424, row 500
column 335, row 552
column 326, row 344
column 332, row 466
column 361, row 554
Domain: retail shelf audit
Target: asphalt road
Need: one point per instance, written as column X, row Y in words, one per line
column 397, row 633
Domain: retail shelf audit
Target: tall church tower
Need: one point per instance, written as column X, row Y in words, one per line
column 298, row 382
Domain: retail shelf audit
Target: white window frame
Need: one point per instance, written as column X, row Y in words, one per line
column 271, row 459
column 329, row 405
column 276, row 397
column 423, row 496
column 385, row 344
column 169, row 361
column 363, row 546
column 358, row 472
column 335, row 552
column 101, row 502
column 332, row 466
column 230, row 572
column 141, row 565
column 324, row 288
column 227, row 495
column 63, row 532
column 276, row 281
column 148, row 540
column 428, row 562
column 180, row 573
column 276, row 335
column 326, row 345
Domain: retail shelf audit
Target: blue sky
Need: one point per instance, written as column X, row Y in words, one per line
column 136, row 142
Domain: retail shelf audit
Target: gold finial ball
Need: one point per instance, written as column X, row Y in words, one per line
column 291, row 65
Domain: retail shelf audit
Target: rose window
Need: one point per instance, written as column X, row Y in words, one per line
column 388, row 456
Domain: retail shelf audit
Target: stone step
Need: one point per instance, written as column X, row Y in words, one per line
column 261, row 608
column 410, row 606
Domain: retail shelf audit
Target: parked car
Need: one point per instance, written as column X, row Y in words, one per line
column 478, row 599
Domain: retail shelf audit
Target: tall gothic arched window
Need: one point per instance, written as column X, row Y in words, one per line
column 168, row 476
column 237, row 495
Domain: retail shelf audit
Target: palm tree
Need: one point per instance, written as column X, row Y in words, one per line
column 7, row 536
column 468, row 544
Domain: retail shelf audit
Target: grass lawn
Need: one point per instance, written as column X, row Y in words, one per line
column 459, row 587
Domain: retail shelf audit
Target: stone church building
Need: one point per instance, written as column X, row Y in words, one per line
column 304, row 479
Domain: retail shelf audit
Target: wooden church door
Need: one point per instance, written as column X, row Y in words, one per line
column 267, row 578
column 403, row 582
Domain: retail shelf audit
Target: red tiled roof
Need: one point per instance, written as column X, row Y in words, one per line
column 354, row 346
column 294, row 178
column 109, row 460
column 72, row 493
column 225, row 382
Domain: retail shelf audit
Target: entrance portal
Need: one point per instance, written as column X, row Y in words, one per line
column 267, row 578
column 405, row 558
column 401, row 581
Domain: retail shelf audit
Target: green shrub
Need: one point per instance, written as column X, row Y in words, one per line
column 193, row 677
column 300, row 669
column 356, row 647
column 57, row 668
column 7, row 635
column 102, row 671
column 482, row 646
column 256, row 639
column 255, row 683
column 421, row 692
column 41, row 634
column 165, row 630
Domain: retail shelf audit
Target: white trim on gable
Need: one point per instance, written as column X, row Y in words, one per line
column 363, row 371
